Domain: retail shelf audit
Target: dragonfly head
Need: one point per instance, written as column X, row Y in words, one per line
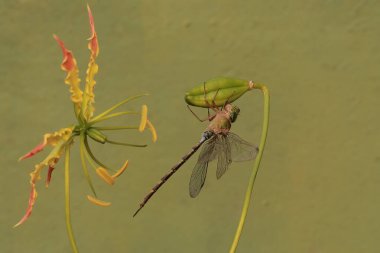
column 233, row 111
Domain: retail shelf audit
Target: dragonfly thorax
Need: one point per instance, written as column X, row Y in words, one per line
column 221, row 124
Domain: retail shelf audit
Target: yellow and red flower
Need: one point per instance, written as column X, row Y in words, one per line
column 84, row 109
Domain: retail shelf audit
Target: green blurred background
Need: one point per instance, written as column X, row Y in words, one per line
column 318, row 187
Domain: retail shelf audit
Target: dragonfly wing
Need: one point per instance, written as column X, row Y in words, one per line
column 198, row 176
column 223, row 148
column 209, row 150
column 241, row 150
column 197, row 179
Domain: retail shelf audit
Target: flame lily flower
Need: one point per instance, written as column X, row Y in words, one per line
column 61, row 140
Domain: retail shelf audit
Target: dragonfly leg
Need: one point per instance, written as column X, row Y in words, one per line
column 201, row 120
column 204, row 94
column 211, row 118
column 212, row 106
column 213, row 99
column 228, row 99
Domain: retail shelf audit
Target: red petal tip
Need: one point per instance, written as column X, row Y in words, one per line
column 37, row 149
column 32, row 199
column 68, row 63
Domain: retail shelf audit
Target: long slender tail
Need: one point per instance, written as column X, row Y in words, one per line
column 206, row 135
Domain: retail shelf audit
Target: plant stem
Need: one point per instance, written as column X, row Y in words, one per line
column 93, row 121
column 89, row 160
column 255, row 168
column 117, row 105
column 67, row 200
column 92, row 155
column 82, row 149
column 126, row 144
column 116, row 128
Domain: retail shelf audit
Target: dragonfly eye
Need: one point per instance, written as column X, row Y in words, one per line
column 234, row 113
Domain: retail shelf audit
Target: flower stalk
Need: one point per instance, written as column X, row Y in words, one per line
column 256, row 165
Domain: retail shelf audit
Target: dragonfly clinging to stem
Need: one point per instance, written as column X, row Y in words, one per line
column 218, row 143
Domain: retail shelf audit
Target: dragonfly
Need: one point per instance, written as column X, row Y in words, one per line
column 218, row 143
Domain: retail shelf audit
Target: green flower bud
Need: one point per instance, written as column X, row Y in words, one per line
column 217, row 92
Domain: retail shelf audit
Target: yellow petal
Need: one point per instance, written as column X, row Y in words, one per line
column 103, row 174
column 54, row 138
column 152, row 130
column 92, row 69
column 69, row 65
column 50, row 139
column 97, row 201
column 49, row 161
column 144, row 117
column 120, row 171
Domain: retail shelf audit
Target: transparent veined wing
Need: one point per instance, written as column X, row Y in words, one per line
column 241, row 150
column 209, row 150
column 223, row 149
column 198, row 177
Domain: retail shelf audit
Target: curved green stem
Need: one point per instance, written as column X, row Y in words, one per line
column 82, row 149
column 92, row 155
column 117, row 106
column 127, row 144
column 89, row 160
column 255, row 168
column 117, row 114
column 67, row 200
column 116, row 128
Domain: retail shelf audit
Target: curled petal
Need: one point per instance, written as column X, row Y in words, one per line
column 103, row 174
column 49, row 139
column 97, row 201
column 93, row 40
column 32, row 200
column 144, row 117
column 152, row 130
column 37, row 149
column 69, row 65
column 121, row 170
column 50, row 161
column 89, row 89
column 92, row 69
column 50, row 171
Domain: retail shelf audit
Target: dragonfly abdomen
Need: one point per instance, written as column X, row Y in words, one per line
column 205, row 136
